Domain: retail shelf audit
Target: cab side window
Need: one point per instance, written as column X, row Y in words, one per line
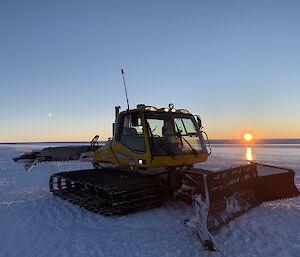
column 131, row 133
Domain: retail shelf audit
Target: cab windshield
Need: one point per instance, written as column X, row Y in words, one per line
column 173, row 134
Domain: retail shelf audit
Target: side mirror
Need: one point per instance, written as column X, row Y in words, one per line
column 199, row 121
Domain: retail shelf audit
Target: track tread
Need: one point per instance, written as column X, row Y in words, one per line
column 109, row 192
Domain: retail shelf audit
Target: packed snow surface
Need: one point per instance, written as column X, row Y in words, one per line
column 35, row 223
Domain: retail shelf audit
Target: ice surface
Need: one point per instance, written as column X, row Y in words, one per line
column 35, row 223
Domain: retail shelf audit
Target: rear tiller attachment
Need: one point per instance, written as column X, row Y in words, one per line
column 219, row 197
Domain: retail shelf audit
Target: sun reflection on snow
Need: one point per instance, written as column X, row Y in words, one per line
column 249, row 156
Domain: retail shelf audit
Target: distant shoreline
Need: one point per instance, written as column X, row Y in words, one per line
column 291, row 141
column 258, row 141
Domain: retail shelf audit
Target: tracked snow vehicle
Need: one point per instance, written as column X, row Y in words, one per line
column 151, row 157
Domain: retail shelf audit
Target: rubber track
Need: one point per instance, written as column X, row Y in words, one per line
column 109, row 192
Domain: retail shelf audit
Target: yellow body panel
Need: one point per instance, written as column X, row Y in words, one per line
column 179, row 160
column 117, row 154
column 120, row 155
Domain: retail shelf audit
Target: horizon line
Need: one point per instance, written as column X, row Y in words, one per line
column 257, row 141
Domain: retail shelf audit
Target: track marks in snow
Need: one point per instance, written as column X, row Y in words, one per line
column 35, row 223
column 261, row 232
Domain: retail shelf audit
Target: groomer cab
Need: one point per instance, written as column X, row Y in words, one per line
column 150, row 138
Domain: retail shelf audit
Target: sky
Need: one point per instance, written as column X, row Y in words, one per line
column 235, row 63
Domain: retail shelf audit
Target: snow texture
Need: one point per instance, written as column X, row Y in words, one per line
column 35, row 223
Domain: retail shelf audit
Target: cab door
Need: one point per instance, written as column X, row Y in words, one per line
column 129, row 145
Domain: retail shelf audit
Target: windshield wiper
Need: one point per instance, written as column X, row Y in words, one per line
column 192, row 134
column 193, row 151
column 167, row 149
column 161, row 143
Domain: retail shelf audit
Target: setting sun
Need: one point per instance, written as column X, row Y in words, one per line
column 248, row 137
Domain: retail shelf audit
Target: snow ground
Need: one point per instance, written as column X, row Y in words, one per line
column 35, row 223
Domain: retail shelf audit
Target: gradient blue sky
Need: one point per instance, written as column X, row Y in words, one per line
column 236, row 63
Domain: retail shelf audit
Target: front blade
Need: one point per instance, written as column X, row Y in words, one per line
column 234, row 191
column 274, row 183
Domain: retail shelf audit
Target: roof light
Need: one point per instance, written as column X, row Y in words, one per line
column 184, row 111
column 140, row 106
column 171, row 106
column 151, row 108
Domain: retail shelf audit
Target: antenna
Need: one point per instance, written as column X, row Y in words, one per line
column 125, row 88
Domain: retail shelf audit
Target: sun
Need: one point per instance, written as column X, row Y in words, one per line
column 248, row 137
